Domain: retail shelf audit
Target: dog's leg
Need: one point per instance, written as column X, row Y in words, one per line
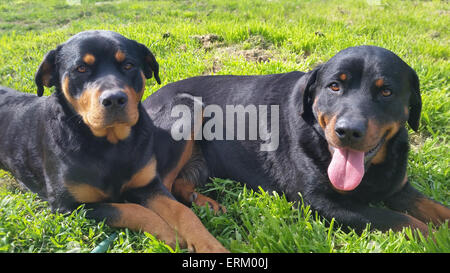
column 357, row 215
column 134, row 217
column 184, row 191
column 186, row 223
column 378, row 218
column 190, row 171
column 185, row 155
column 193, row 174
column 414, row 203
column 180, row 218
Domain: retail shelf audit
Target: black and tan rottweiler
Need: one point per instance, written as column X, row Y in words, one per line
column 91, row 142
column 342, row 138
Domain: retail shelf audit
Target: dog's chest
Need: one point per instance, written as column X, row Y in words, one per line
column 107, row 182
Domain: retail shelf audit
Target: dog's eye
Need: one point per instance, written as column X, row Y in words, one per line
column 128, row 66
column 386, row 92
column 81, row 68
column 334, row 86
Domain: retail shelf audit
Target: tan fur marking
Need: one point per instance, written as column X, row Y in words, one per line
column 392, row 129
column 122, row 131
column 139, row 218
column 89, row 59
column 143, row 177
column 187, row 153
column 428, row 210
column 85, row 193
column 320, row 116
column 117, row 132
column 184, row 191
column 343, row 77
column 375, row 132
column 120, row 56
column 132, row 107
column 111, row 136
column 329, row 124
column 65, row 89
column 380, row 156
column 83, row 104
column 186, row 223
column 79, row 105
column 185, row 156
column 379, row 82
column 322, row 122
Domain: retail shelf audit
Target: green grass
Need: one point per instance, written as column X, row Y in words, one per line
column 250, row 37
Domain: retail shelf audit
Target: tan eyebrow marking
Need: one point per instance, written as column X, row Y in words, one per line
column 120, row 56
column 89, row 59
column 379, row 82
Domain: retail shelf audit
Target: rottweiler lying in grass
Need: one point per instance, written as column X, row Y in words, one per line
column 342, row 139
column 92, row 143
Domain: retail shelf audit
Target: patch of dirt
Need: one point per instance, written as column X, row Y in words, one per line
column 254, row 49
column 256, row 55
column 208, row 41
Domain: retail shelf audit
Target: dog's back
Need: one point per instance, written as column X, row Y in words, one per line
column 19, row 113
column 237, row 97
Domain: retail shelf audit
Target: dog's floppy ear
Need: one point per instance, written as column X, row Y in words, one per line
column 304, row 88
column 46, row 74
column 415, row 102
column 150, row 65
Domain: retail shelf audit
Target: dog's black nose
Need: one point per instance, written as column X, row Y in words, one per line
column 349, row 130
column 113, row 99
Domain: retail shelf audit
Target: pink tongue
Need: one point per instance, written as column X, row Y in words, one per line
column 346, row 169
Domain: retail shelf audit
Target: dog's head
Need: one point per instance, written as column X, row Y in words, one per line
column 101, row 74
column 361, row 98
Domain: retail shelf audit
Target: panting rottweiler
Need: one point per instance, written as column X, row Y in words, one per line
column 91, row 142
column 342, row 138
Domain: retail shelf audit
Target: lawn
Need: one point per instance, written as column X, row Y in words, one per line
column 191, row 38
